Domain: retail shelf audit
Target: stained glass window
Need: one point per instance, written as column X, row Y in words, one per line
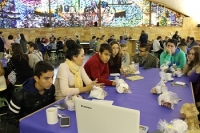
column 84, row 13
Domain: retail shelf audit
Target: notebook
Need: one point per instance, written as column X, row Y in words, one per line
column 93, row 117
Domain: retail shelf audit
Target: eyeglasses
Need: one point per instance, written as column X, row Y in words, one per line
column 141, row 51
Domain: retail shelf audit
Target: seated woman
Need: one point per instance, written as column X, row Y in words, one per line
column 34, row 54
column 71, row 74
column 192, row 60
column 173, row 55
column 115, row 61
column 195, row 79
column 19, row 62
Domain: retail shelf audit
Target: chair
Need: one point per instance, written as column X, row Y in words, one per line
column 53, row 55
column 61, row 53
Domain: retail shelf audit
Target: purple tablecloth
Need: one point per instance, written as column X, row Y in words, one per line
column 140, row 99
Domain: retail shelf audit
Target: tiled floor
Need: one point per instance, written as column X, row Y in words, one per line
column 4, row 128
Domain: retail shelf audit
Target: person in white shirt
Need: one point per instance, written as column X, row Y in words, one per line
column 156, row 47
column 17, row 40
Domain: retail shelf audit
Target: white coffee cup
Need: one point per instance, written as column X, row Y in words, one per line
column 168, row 76
column 179, row 74
column 52, row 115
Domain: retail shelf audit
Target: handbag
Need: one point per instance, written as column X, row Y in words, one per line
column 12, row 77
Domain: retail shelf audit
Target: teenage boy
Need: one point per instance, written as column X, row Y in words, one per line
column 97, row 66
column 36, row 93
column 125, row 55
column 144, row 58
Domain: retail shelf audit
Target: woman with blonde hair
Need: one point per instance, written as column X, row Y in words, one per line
column 193, row 60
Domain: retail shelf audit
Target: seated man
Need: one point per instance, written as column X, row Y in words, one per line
column 125, row 55
column 173, row 55
column 97, row 66
column 36, row 93
column 144, row 58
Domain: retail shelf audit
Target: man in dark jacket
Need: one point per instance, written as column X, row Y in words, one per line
column 144, row 58
column 37, row 92
column 143, row 37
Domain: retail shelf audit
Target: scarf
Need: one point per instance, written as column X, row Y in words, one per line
column 75, row 69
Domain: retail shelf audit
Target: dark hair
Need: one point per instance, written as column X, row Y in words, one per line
column 123, row 45
column 174, row 41
column 196, row 55
column 93, row 37
column 118, row 56
column 143, row 45
column 10, row 37
column 105, row 46
column 1, row 32
column 159, row 37
column 192, row 38
column 182, row 42
column 77, row 36
column 121, row 37
column 22, row 37
column 73, row 49
column 17, row 51
column 42, row 67
column 31, row 44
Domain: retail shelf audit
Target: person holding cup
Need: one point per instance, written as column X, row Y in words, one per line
column 36, row 93
column 173, row 54
column 193, row 59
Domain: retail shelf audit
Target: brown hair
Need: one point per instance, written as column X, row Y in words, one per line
column 196, row 55
column 17, row 51
column 118, row 56
column 123, row 45
column 1, row 69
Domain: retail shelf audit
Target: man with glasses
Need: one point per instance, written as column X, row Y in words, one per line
column 144, row 58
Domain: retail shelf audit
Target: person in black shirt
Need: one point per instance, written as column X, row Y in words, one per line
column 36, row 93
column 143, row 37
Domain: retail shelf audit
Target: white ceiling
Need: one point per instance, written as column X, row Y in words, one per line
column 187, row 7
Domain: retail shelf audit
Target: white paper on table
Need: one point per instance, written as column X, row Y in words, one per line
column 137, row 72
column 114, row 74
column 108, row 102
column 179, row 83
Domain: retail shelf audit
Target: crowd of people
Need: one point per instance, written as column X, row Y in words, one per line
column 75, row 77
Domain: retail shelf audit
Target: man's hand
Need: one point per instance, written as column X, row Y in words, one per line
column 169, row 51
